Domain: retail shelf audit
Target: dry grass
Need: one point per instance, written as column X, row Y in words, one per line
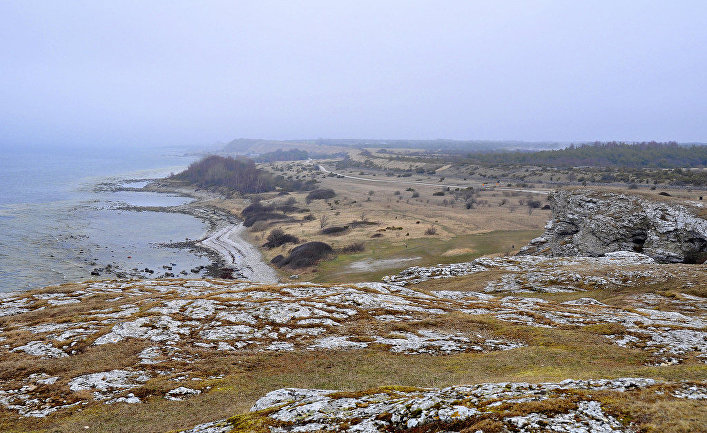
column 251, row 376
column 551, row 355
column 398, row 220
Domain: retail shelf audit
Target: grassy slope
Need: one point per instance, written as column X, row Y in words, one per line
column 430, row 250
column 551, row 355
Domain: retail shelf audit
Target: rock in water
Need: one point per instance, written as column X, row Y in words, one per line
column 593, row 223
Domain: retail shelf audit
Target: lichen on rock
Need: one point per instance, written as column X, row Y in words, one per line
column 594, row 223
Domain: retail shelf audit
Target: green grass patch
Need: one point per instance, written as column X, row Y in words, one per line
column 430, row 250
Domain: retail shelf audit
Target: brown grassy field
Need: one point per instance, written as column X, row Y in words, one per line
column 399, row 219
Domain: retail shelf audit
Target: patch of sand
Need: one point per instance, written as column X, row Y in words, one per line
column 368, row 265
column 458, row 252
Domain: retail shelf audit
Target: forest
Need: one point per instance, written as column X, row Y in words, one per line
column 608, row 154
column 236, row 174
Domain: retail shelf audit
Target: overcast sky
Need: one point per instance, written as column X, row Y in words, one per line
column 197, row 72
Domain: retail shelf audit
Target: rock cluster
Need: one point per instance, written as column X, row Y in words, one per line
column 178, row 322
column 592, row 223
column 567, row 406
column 527, row 274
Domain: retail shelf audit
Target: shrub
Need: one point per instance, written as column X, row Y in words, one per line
column 535, row 204
column 320, row 194
column 277, row 260
column 257, row 212
column 431, row 231
column 277, row 237
column 259, row 226
column 307, row 254
column 334, row 230
column 263, row 216
column 362, row 222
column 415, row 194
column 356, row 247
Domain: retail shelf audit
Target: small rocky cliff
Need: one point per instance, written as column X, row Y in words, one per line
column 593, row 223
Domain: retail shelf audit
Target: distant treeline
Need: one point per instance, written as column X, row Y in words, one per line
column 240, row 175
column 283, row 155
column 295, row 155
column 612, row 154
column 246, row 145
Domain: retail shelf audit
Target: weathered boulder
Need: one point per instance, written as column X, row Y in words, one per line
column 594, row 223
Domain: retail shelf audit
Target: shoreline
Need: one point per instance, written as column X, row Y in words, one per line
column 231, row 255
column 237, row 252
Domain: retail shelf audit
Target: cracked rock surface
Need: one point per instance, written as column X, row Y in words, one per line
column 177, row 323
column 593, row 223
column 568, row 406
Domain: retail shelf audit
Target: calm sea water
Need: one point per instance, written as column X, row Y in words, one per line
column 54, row 225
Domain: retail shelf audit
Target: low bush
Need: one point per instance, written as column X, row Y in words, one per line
column 277, row 260
column 320, row 194
column 308, row 254
column 334, row 230
column 355, row 247
column 359, row 223
column 277, row 237
column 431, row 231
column 257, row 212
column 259, row 226
column 263, row 216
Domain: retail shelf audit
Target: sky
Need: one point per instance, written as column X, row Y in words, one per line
column 153, row 72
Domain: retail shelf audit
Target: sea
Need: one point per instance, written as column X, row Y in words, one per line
column 57, row 225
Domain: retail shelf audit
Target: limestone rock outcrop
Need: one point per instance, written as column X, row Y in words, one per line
column 568, row 406
column 594, row 223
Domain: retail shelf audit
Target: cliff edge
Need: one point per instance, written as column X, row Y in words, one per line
column 593, row 223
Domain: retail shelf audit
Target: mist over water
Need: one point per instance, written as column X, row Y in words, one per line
column 54, row 225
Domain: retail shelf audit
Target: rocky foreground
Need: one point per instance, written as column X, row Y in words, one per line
column 569, row 406
column 74, row 347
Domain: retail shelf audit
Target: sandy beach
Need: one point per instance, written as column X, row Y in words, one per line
column 239, row 254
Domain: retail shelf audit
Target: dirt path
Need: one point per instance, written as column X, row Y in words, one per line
column 439, row 184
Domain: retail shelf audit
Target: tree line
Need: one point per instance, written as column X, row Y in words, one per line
column 605, row 154
column 241, row 175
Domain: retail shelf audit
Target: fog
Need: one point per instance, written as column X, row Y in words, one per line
column 189, row 72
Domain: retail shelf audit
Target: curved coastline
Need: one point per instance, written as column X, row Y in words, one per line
column 238, row 253
column 224, row 243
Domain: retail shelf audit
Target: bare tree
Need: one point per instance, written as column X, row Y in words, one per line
column 323, row 221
